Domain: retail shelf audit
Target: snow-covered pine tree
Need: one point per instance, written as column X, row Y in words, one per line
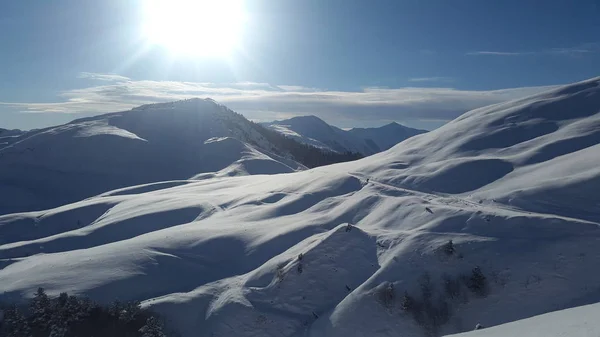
column 153, row 328
column 14, row 324
column 41, row 309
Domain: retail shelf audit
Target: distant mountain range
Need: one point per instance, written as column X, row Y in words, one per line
column 314, row 131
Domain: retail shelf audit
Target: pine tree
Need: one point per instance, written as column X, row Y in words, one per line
column 407, row 303
column 477, row 283
column 15, row 323
column 449, row 248
column 41, row 311
column 153, row 328
column 58, row 331
column 426, row 287
column 130, row 311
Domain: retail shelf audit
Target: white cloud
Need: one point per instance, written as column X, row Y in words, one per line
column 102, row 77
column 497, row 53
column 431, row 79
column 297, row 88
column 261, row 101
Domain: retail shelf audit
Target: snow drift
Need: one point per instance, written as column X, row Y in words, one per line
column 491, row 218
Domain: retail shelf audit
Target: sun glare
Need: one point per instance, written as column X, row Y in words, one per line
column 194, row 27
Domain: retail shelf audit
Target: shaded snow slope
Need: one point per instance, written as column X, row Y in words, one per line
column 581, row 321
column 324, row 252
column 170, row 141
column 313, row 131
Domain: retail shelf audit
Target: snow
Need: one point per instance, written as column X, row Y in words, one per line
column 513, row 185
column 581, row 321
column 102, row 128
column 314, row 131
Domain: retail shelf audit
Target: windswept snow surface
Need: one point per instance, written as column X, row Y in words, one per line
column 170, row 141
column 514, row 186
column 314, row 131
column 576, row 322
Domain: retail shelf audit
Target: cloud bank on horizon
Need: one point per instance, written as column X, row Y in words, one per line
column 266, row 102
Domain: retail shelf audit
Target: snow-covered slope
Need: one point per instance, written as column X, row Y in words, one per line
column 387, row 136
column 333, row 251
column 580, row 321
column 170, row 141
column 538, row 153
column 366, row 141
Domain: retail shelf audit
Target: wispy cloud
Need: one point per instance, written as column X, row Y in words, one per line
column 571, row 51
column 587, row 48
column 261, row 101
column 496, row 53
column 102, row 77
column 431, row 79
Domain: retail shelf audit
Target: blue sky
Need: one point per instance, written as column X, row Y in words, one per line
column 351, row 62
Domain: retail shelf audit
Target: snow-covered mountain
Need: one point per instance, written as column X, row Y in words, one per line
column 366, row 141
column 387, row 136
column 491, row 218
column 152, row 143
column 314, row 131
column 8, row 137
column 7, row 132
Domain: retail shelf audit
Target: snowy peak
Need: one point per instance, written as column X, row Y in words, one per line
column 386, row 136
column 314, row 131
column 311, row 127
column 305, row 123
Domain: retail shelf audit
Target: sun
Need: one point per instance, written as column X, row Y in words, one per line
column 194, row 27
